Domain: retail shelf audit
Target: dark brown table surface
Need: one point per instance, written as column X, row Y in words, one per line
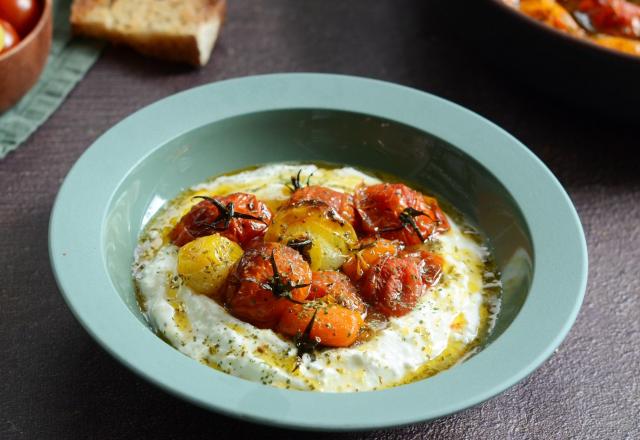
column 56, row 382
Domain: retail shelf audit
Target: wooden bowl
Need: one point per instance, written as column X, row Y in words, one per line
column 21, row 67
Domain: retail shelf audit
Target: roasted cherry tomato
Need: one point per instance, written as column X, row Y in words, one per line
column 615, row 17
column 8, row 36
column 22, row 14
column 430, row 266
column 340, row 202
column 240, row 217
column 335, row 287
column 314, row 229
column 205, row 263
column 396, row 212
column 254, row 242
column 333, row 325
column 394, row 285
column 368, row 253
column 268, row 277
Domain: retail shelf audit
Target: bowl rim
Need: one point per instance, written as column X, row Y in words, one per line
column 560, row 253
column 585, row 43
column 37, row 29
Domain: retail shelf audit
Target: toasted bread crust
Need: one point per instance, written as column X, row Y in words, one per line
column 176, row 30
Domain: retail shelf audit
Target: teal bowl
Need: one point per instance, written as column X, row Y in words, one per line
column 499, row 185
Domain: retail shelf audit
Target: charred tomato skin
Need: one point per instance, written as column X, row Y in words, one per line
column 197, row 222
column 380, row 207
column 246, row 296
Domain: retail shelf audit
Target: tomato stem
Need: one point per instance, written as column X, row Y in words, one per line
column 227, row 213
column 295, row 181
column 406, row 218
column 304, row 343
column 278, row 287
column 301, row 245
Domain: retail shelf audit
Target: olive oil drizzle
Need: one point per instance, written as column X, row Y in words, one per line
column 455, row 352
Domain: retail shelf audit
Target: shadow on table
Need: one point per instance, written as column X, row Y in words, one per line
column 134, row 63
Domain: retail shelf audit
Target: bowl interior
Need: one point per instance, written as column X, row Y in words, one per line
column 320, row 135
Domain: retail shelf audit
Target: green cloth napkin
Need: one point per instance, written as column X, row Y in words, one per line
column 68, row 62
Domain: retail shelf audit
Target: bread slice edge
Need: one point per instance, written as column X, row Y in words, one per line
column 194, row 47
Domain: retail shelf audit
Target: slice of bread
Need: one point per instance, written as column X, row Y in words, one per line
column 176, row 30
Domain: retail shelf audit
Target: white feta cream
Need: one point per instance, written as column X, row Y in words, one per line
column 448, row 324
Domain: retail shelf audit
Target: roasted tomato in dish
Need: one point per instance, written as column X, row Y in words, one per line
column 332, row 325
column 8, row 36
column 396, row 212
column 613, row 17
column 240, row 217
column 431, row 266
column 335, row 287
column 267, row 278
column 341, row 203
column 369, row 252
column 22, row 14
column 313, row 228
column 205, row 263
column 325, row 282
column 394, row 285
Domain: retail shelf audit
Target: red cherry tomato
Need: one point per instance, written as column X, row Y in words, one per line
column 394, row 285
column 8, row 36
column 386, row 209
column 22, row 14
column 252, row 293
column 616, row 17
column 431, row 265
column 341, row 203
column 368, row 253
column 210, row 217
column 336, row 287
